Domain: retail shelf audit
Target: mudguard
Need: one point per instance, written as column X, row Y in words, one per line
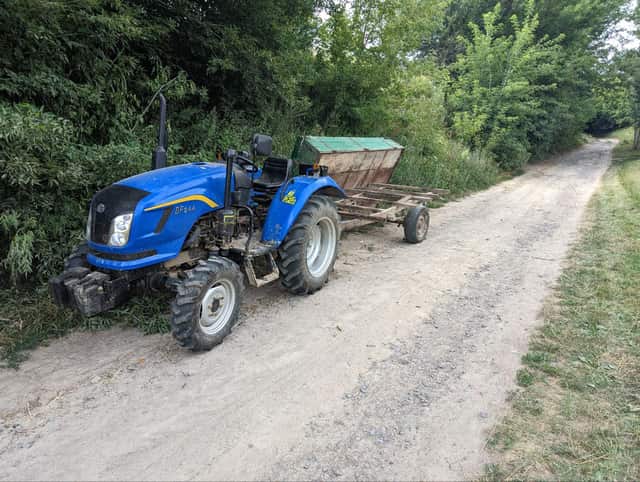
column 289, row 201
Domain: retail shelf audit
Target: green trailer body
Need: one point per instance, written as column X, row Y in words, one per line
column 354, row 162
column 363, row 166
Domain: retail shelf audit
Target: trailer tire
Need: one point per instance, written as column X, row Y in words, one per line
column 416, row 224
column 308, row 253
column 207, row 303
column 78, row 257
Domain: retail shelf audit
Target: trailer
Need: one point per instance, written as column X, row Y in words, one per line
column 364, row 166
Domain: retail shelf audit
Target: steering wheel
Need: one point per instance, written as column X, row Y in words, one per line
column 246, row 163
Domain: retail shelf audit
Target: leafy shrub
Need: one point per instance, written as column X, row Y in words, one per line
column 456, row 168
column 504, row 100
column 415, row 116
column 46, row 183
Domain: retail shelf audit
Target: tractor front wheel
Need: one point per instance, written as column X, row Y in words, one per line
column 207, row 303
column 308, row 253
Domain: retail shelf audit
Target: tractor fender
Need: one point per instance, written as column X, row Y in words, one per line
column 289, row 201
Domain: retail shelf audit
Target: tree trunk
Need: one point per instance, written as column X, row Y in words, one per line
column 636, row 137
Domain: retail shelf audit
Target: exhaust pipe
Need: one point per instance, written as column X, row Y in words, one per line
column 159, row 156
column 227, row 216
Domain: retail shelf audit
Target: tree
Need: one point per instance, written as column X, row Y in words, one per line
column 361, row 50
column 630, row 70
column 499, row 87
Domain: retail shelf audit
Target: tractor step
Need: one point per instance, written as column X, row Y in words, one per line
column 272, row 274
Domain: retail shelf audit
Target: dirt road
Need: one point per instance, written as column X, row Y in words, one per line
column 398, row 368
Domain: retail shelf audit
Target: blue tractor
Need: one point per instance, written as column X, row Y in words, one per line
column 199, row 230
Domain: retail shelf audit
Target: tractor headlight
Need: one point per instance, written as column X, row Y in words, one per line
column 88, row 231
column 120, row 227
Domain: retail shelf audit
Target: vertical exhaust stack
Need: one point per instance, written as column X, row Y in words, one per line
column 159, row 156
column 227, row 215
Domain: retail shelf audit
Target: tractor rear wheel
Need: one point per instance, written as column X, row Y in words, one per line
column 207, row 303
column 308, row 253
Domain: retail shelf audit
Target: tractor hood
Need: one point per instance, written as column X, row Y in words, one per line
column 164, row 203
column 163, row 183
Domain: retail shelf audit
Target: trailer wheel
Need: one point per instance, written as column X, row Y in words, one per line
column 416, row 224
column 78, row 257
column 207, row 303
column 308, row 253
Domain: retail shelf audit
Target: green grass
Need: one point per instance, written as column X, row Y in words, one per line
column 624, row 135
column 576, row 414
column 29, row 319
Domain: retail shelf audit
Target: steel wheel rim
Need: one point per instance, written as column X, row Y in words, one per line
column 421, row 226
column 217, row 307
column 321, row 246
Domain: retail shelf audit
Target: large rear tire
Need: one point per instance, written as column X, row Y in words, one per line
column 207, row 303
column 308, row 253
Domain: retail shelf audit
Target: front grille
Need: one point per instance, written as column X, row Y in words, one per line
column 109, row 203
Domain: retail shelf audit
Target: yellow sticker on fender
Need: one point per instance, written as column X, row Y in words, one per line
column 290, row 198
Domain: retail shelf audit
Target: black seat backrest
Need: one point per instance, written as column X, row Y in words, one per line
column 274, row 172
column 275, row 168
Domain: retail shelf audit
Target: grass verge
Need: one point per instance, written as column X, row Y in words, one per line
column 576, row 413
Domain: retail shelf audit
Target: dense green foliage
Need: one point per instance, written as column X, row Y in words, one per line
column 502, row 84
column 525, row 77
column 468, row 86
column 616, row 90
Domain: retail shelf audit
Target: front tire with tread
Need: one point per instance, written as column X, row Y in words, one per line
column 186, row 308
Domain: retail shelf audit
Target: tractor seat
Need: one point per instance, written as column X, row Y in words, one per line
column 274, row 172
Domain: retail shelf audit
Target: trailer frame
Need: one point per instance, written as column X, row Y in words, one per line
column 383, row 203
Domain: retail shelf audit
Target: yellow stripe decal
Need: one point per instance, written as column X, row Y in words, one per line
column 195, row 197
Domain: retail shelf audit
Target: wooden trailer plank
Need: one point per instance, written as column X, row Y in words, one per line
column 360, row 201
column 372, row 217
column 355, row 207
column 353, row 202
column 378, row 195
column 398, row 194
column 415, row 189
column 408, row 203
column 376, row 216
column 395, row 209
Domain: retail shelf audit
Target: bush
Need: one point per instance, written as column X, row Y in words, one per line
column 456, row 168
column 47, row 182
